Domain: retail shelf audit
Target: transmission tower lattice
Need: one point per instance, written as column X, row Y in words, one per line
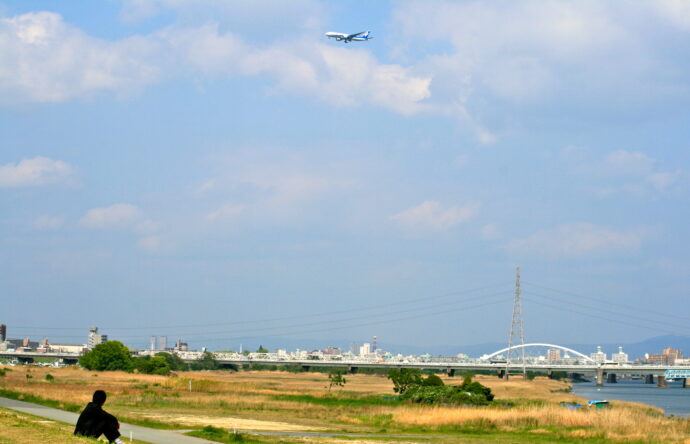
column 517, row 329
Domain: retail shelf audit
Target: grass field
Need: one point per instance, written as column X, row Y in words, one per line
column 524, row 411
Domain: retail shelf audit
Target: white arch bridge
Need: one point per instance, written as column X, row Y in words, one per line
column 582, row 365
column 554, row 346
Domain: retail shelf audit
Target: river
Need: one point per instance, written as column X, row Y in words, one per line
column 675, row 400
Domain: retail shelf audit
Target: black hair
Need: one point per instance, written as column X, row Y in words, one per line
column 99, row 397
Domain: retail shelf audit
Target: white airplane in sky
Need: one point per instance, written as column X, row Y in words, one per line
column 347, row 38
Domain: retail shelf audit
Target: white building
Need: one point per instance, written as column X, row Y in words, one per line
column 553, row 355
column 599, row 356
column 620, row 357
column 365, row 350
column 95, row 338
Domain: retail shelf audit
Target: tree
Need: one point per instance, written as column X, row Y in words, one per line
column 261, row 349
column 432, row 381
column 110, row 355
column 335, row 378
column 206, row 362
column 156, row 365
column 404, row 378
column 174, row 362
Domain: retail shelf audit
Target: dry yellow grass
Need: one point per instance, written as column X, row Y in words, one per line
column 20, row 428
column 250, row 397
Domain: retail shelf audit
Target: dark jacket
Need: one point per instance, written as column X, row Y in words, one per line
column 94, row 421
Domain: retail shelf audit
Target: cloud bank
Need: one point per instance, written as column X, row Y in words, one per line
column 34, row 172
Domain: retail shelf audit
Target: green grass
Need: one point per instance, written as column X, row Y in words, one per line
column 78, row 408
column 39, row 400
column 220, row 435
column 341, row 400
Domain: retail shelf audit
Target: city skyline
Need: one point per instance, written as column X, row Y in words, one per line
column 224, row 170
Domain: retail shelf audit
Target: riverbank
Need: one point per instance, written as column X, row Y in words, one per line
column 523, row 411
column 673, row 400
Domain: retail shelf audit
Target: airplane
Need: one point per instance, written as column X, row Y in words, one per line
column 347, row 38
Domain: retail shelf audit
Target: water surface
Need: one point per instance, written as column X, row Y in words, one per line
column 675, row 400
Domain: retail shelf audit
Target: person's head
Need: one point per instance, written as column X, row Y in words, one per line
column 99, row 397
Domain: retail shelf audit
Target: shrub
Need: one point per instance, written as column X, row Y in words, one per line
column 110, row 355
column 156, row 365
column 467, row 393
column 50, row 377
column 404, row 378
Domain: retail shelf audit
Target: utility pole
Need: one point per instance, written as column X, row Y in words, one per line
column 517, row 329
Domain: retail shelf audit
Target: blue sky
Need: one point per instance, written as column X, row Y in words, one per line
column 176, row 167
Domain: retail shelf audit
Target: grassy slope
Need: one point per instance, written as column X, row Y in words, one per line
column 524, row 412
column 21, row 428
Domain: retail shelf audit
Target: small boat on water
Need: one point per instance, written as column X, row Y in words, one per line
column 598, row 404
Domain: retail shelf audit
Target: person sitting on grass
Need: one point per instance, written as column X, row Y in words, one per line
column 94, row 421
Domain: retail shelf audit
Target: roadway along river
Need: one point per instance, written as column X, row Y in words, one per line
column 675, row 400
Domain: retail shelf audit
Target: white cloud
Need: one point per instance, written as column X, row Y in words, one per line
column 147, row 226
column 662, row 180
column 430, row 215
column 318, row 69
column 34, row 172
column 260, row 185
column 152, row 244
column 629, row 163
column 577, row 239
column 620, row 171
column 487, row 58
column 225, row 212
column 47, row 223
column 491, row 232
column 115, row 216
column 45, row 59
column 676, row 12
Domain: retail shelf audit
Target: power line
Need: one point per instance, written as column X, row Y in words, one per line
column 569, row 293
column 604, row 318
column 370, row 323
column 600, row 309
column 419, row 313
column 301, row 316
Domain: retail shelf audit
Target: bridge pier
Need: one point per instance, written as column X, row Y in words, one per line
column 649, row 379
column 549, row 374
column 611, row 378
column 450, row 372
column 304, row 368
column 501, row 374
column 352, row 369
column 685, row 382
column 600, row 376
column 661, row 381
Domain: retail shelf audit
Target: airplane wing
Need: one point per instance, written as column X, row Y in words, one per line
column 351, row 36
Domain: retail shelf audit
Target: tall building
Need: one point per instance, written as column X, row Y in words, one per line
column 354, row 348
column 374, row 347
column 3, row 332
column 553, row 355
column 95, row 338
column 152, row 344
column 599, row 356
column 620, row 357
column 162, row 343
column 365, row 349
column 181, row 346
column 667, row 357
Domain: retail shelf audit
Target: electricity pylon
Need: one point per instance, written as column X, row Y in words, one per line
column 517, row 329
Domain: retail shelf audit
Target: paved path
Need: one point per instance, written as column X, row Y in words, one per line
column 152, row 436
